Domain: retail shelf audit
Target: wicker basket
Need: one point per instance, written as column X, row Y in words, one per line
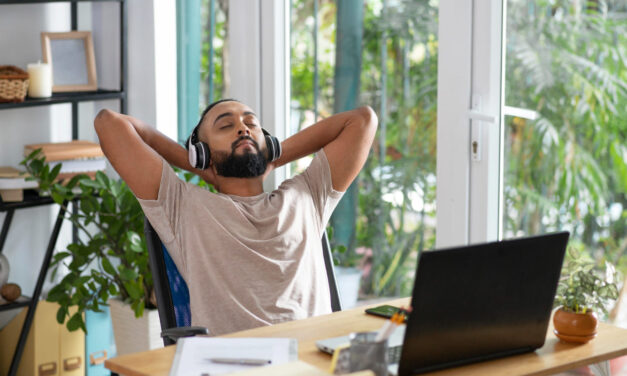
column 13, row 84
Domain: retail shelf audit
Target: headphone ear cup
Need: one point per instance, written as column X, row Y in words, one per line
column 203, row 155
column 199, row 155
column 274, row 147
column 192, row 155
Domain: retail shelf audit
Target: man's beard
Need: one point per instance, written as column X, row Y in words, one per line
column 247, row 165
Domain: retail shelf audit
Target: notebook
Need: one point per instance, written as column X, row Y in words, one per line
column 197, row 355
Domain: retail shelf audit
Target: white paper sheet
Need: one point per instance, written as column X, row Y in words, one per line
column 193, row 354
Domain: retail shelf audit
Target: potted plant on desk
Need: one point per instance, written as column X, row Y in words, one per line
column 107, row 264
column 582, row 294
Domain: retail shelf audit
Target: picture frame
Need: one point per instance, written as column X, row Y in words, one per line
column 71, row 56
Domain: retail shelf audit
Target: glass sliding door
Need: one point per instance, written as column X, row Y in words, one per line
column 565, row 124
column 392, row 216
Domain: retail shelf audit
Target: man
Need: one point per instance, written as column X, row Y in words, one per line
column 249, row 258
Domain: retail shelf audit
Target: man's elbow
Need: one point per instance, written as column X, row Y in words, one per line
column 103, row 118
column 370, row 121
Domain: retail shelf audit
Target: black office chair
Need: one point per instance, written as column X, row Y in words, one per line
column 170, row 290
column 173, row 295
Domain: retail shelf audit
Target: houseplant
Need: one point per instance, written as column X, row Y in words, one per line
column 582, row 294
column 108, row 259
column 347, row 274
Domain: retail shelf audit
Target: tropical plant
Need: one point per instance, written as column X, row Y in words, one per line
column 397, row 193
column 108, row 258
column 567, row 169
column 582, row 288
column 395, row 208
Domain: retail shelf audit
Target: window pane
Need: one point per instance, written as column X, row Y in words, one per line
column 565, row 136
column 201, row 59
column 213, row 66
column 395, row 210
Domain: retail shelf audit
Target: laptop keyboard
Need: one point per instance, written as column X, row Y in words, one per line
column 394, row 354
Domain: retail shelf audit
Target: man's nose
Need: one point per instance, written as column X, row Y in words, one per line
column 243, row 130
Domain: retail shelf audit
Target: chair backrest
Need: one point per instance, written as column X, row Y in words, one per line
column 170, row 288
column 328, row 263
column 173, row 295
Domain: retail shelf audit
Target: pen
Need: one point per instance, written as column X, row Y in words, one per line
column 397, row 319
column 241, row 361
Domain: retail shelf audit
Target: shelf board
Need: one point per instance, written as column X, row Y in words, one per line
column 66, row 98
column 31, row 199
column 22, row 301
column 56, row 1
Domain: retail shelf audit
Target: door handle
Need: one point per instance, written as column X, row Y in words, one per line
column 47, row 369
column 93, row 359
column 70, row 364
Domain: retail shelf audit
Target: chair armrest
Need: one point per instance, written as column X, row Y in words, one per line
column 183, row 331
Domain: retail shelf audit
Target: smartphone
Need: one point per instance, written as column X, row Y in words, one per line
column 383, row 311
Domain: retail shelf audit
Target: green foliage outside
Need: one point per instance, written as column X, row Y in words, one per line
column 567, row 169
column 338, row 252
column 109, row 258
column 396, row 214
column 213, row 81
column 397, row 197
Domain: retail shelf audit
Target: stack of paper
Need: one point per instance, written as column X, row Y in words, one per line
column 203, row 355
column 12, row 184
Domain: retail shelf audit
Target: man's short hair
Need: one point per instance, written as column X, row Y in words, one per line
column 194, row 135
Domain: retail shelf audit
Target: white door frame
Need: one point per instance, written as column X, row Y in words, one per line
column 469, row 102
column 259, row 64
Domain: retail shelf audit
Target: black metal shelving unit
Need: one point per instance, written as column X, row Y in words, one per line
column 31, row 197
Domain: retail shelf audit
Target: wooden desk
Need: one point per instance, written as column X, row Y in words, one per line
column 553, row 357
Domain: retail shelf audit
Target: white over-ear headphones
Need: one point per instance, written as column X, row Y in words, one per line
column 199, row 154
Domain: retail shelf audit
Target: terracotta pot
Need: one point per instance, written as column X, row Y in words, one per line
column 575, row 327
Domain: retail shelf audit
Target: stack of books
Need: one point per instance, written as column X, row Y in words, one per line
column 13, row 183
column 76, row 157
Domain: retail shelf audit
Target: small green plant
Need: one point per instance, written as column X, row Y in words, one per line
column 109, row 257
column 339, row 252
column 583, row 288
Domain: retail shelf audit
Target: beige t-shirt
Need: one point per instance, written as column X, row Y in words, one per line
column 248, row 261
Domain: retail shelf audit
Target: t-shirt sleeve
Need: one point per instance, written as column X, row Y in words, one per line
column 318, row 178
column 164, row 212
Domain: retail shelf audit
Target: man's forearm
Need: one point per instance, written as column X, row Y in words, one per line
column 318, row 135
column 170, row 150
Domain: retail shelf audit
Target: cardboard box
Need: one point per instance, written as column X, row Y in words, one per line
column 50, row 349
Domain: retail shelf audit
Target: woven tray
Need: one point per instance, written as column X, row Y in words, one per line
column 13, row 84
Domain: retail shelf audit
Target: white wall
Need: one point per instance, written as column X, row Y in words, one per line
column 151, row 97
column 20, row 27
column 151, row 57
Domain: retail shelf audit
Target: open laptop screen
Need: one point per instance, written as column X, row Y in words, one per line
column 481, row 301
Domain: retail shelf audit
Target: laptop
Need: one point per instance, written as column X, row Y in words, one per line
column 479, row 302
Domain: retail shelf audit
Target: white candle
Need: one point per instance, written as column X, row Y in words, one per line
column 40, row 80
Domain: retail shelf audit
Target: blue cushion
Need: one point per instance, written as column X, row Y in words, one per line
column 179, row 290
